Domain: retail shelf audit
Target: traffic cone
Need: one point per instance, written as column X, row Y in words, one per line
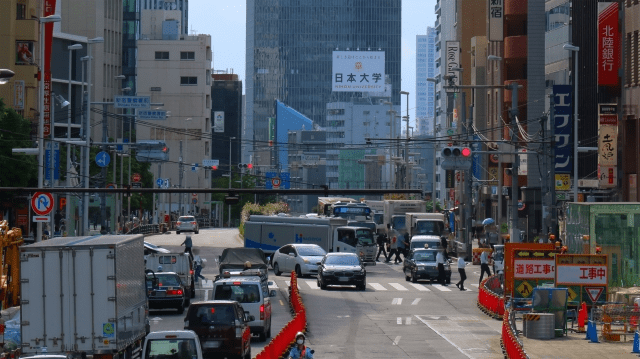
column 582, row 317
column 588, row 330
column 593, row 332
column 636, row 343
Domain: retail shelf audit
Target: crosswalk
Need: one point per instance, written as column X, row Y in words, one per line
column 405, row 287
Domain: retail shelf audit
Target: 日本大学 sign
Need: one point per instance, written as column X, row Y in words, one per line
column 358, row 71
column 585, row 275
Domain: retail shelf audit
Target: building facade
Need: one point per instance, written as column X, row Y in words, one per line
column 307, row 167
column 176, row 9
column 289, row 48
column 630, row 101
column 425, row 90
column 226, row 112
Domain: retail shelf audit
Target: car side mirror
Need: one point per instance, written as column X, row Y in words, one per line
column 319, row 263
column 272, row 293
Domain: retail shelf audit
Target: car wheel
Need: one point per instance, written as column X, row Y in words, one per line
column 363, row 286
column 298, row 271
column 197, row 232
column 269, row 331
column 414, row 279
column 323, row 285
column 406, row 277
column 177, row 232
column 276, row 269
column 263, row 336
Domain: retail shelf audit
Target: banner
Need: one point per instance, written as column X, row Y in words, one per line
column 453, row 61
column 608, row 44
column 607, row 145
column 218, row 121
column 18, row 95
column 358, row 71
column 496, row 20
column 49, row 9
column 563, row 125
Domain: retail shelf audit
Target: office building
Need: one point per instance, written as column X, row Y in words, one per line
column 177, row 10
column 425, row 90
column 307, row 167
column 289, row 54
column 226, row 112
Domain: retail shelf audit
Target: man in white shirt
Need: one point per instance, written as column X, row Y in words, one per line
column 484, row 265
column 463, row 273
column 440, row 262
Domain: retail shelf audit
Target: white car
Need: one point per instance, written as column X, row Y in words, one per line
column 187, row 224
column 302, row 258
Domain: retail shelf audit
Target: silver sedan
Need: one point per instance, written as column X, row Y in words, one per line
column 302, row 258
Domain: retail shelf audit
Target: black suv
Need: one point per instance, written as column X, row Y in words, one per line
column 170, row 292
column 222, row 327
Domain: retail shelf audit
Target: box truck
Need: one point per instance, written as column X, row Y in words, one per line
column 84, row 295
column 395, row 210
column 430, row 224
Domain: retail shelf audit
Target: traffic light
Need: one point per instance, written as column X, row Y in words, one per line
column 245, row 165
column 152, row 151
column 456, row 158
column 213, row 168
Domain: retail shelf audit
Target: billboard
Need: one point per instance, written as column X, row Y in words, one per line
column 24, row 52
column 563, row 126
column 453, row 60
column 218, row 121
column 496, row 20
column 358, row 71
column 608, row 44
column 18, row 95
column 607, row 144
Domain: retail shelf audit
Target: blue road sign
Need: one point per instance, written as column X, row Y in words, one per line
column 56, row 161
column 273, row 181
column 159, row 182
column 103, row 159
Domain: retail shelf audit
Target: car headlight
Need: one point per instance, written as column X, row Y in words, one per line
column 421, row 267
column 327, row 272
column 306, row 261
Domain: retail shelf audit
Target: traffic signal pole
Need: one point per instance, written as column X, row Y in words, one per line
column 103, row 174
column 513, row 228
column 181, row 174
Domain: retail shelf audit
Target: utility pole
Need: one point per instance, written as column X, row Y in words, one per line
column 513, row 112
column 180, row 175
column 103, row 172
column 468, row 185
column 551, row 212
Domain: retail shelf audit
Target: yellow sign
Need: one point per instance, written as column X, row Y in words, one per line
column 572, row 294
column 563, row 182
column 525, row 289
column 493, row 176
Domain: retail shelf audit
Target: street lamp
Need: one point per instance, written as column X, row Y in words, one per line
column 500, row 174
column 43, row 21
column 392, row 112
column 406, row 144
column 433, row 180
column 575, row 49
column 5, row 76
column 230, row 177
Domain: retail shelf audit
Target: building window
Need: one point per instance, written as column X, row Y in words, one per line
column 187, row 55
column 21, row 14
column 206, row 148
column 188, row 80
column 162, row 55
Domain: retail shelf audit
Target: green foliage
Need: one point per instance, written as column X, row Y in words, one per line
column 268, row 209
column 504, row 228
column 20, row 170
column 430, row 206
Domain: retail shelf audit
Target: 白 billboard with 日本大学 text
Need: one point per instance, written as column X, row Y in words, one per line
column 358, row 71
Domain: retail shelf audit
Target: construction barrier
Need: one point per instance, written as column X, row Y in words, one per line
column 280, row 344
column 511, row 346
column 489, row 301
column 477, row 252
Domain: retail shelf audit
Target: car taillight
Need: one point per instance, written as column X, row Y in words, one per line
column 178, row 223
column 193, row 222
column 262, row 312
column 174, row 292
column 191, row 272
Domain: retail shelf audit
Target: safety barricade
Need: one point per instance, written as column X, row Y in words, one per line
column 511, row 346
column 477, row 252
column 618, row 320
column 488, row 301
column 280, row 344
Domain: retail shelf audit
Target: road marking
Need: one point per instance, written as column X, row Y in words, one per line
column 281, row 302
column 408, row 321
column 289, row 284
column 397, row 286
column 396, row 301
column 420, row 287
column 377, row 286
column 397, row 340
column 443, row 337
column 206, row 294
column 399, row 321
column 312, row 284
column 442, row 288
column 207, row 283
column 476, row 285
column 416, row 301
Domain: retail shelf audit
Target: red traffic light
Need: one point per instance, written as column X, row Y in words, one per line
column 249, row 165
column 214, row 168
column 466, row 152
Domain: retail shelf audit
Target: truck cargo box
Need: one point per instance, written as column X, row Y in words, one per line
column 82, row 294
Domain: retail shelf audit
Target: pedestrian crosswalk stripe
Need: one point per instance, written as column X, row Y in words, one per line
column 416, row 301
column 397, row 286
column 399, row 321
column 476, row 285
column 408, row 321
column 312, row 284
column 377, row 286
column 289, row 284
column 442, row 288
column 420, row 287
column 396, row 301
column 207, row 283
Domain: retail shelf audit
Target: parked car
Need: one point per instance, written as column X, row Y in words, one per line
column 421, row 264
column 222, row 326
column 252, row 292
column 171, row 292
column 342, row 269
column 303, row 258
column 187, row 224
column 172, row 344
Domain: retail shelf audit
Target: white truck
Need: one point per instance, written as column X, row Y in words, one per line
column 395, row 210
column 84, row 295
column 431, row 224
column 269, row 233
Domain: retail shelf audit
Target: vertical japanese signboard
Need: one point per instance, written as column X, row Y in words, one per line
column 358, row 71
column 49, row 9
column 18, row 95
column 563, row 125
column 496, row 20
column 218, row 121
column 453, row 60
column 607, row 145
column 608, row 44
column 526, row 266
column 585, row 277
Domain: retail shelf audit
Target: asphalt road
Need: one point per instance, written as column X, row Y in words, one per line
column 392, row 318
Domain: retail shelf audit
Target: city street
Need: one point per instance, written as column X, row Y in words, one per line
column 393, row 318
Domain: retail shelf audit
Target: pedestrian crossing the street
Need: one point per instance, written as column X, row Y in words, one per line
column 408, row 287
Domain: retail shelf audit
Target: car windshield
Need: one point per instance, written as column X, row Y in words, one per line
column 429, row 228
column 206, row 315
column 186, row 219
column 398, row 223
column 364, row 237
column 429, row 256
column 378, row 218
column 342, row 260
column 370, row 225
column 168, row 280
column 311, row 251
column 243, row 293
column 171, row 349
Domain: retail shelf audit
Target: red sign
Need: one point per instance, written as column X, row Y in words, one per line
column 49, row 9
column 42, row 203
column 594, row 293
column 136, row 177
column 608, row 44
column 534, row 268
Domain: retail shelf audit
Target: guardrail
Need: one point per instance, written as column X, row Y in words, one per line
column 280, row 344
column 490, row 299
column 511, row 346
column 145, row 229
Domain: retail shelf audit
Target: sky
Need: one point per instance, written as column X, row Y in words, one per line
column 225, row 21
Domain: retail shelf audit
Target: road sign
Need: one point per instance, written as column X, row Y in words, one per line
column 452, row 89
column 56, row 161
column 194, row 195
column 136, row 177
column 103, row 159
column 209, row 163
column 159, row 182
column 195, row 201
column 165, row 183
column 194, row 167
column 136, row 185
column 524, row 289
column 132, row 102
column 152, row 115
column 42, row 203
column 594, row 293
column 111, row 185
column 275, row 181
column 41, row 219
column 521, row 205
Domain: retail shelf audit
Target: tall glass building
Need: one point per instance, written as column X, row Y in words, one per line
column 289, row 47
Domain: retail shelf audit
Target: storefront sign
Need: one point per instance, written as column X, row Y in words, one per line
column 608, row 44
column 563, row 123
column 496, row 20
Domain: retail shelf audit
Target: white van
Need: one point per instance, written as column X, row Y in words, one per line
column 420, row 241
column 179, row 263
column 253, row 294
column 172, row 344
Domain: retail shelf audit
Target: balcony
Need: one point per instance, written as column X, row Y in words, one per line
column 515, row 8
column 522, row 92
column 437, row 7
column 437, row 24
column 515, row 47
